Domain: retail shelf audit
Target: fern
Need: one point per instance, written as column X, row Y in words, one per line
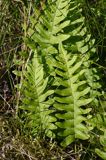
column 79, row 39
column 66, row 69
column 99, row 121
column 102, row 152
column 47, row 28
column 71, row 95
column 61, row 21
column 36, row 102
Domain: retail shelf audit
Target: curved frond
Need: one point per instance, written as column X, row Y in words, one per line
column 102, row 153
column 36, row 102
column 71, row 75
column 47, row 28
column 79, row 39
column 71, row 96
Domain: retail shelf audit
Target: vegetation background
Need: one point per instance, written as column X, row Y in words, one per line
column 15, row 144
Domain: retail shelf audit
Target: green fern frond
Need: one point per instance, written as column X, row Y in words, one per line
column 102, row 153
column 79, row 39
column 60, row 21
column 47, row 28
column 67, row 107
column 93, row 79
column 99, row 121
column 36, row 102
column 71, row 95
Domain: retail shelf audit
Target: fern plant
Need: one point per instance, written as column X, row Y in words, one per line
column 64, row 110
column 35, row 101
column 71, row 94
column 61, row 21
column 102, row 152
column 47, row 28
column 99, row 121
